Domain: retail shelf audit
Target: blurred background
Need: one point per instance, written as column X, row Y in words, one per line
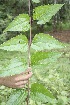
column 59, row 25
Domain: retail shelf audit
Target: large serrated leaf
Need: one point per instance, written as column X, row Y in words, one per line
column 36, row 1
column 43, row 58
column 20, row 23
column 18, row 43
column 39, row 88
column 41, row 94
column 17, row 98
column 12, row 63
column 44, row 13
column 45, row 42
column 42, row 99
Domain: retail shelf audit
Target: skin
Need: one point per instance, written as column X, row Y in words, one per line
column 16, row 81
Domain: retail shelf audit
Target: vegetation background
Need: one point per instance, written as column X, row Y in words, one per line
column 59, row 27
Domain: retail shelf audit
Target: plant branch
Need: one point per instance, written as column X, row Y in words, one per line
column 29, row 56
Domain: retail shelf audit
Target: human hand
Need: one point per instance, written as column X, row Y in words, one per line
column 18, row 80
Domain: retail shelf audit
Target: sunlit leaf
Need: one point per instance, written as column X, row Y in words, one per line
column 41, row 89
column 18, row 43
column 44, row 13
column 45, row 42
column 43, row 58
column 41, row 94
column 20, row 23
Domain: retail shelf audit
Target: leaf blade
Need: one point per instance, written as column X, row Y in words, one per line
column 17, row 98
column 18, row 43
column 20, row 23
column 44, row 13
column 45, row 42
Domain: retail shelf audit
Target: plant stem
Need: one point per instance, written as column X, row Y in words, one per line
column 29, row 56
column 30, row 27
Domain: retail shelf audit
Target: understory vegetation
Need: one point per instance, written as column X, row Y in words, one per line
column 50, row 59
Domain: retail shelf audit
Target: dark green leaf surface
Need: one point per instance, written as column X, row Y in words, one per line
column 44, row 58
column 20, row 23
column 42, row 95
column 44, row 13
column 41, row 89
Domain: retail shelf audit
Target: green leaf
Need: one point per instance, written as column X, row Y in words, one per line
column 42, row 99
column 20, row 23
column 17, row 98
column 47, row 66
column 43, row 58
column 45, row 42
column 36, row 1
column 12, row 63
column 40, row 94
column 18, row 43
column 44, row 13
column 40, row 89
column 53, row 70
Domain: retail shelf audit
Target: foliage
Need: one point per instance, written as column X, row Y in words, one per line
column 44, row 13
column 46, row 42
column 9, row 9
column 65, row 26
column 48, row 58
column 36, row 1
column 17, row 98
column 21, row 21
column 18, row 43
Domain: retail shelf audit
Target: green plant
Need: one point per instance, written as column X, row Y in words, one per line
column 39, row 53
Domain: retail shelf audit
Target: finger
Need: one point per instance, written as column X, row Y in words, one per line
column 26, row 77
column 22, row 77
column 21, row 83
column 27, row 70
column 21, row 86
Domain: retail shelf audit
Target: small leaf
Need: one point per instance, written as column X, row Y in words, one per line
column 18, row 43
column 45, row 42
column 36, row 1
column 44, row 13
column 20, row 23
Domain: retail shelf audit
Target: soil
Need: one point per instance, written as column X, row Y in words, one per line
column 63, row 36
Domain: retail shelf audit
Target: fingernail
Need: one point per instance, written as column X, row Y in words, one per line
column 29, row 68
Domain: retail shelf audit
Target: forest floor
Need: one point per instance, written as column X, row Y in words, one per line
column 63, row 36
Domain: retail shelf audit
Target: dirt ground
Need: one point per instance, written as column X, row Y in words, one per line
column 63, row 36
